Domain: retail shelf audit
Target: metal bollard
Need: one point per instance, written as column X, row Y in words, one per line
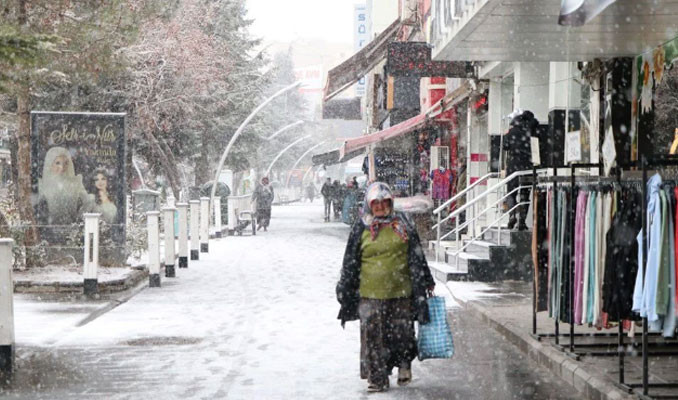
column 217, row 216
column 153, row 249
column 183, row 234
column 170, row 250
column 195, row 229
column 204, row 224
column 6, row 308
column 91, row 260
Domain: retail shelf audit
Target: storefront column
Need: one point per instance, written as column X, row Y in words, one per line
column 564, row 108
column 531, row 88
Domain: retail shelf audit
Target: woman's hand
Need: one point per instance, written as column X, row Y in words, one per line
column 430, row 290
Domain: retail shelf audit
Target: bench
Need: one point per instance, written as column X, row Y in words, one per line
column 241, row 215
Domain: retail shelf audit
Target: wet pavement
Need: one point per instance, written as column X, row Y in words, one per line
column 255, row 319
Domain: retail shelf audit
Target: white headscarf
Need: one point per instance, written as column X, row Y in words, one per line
column 65, row 194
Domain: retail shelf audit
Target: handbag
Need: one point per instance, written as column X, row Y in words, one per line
column 435, row 338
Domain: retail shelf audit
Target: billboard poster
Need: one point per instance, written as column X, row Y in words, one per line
column 78, row 166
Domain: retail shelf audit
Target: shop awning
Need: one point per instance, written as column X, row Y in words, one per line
column 352, row 70
column 528, row 30
column 402, row 128
column 335, row 157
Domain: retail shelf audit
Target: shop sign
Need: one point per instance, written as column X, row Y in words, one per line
column 573, row 146
column 414, row 59
column 361, row 37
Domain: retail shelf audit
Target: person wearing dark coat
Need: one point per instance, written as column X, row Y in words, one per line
column 263, row 196
column 337, row 198
column 517, row 144
column 384, row 283
column 326, row 191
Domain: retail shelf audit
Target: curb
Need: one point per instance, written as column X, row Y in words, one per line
column 140, row 285
column 591, row 387
column 106, row 287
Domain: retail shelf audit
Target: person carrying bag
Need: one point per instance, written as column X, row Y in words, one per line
column 384, row 283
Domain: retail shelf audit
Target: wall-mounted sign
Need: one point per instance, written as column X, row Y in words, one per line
column 361, row 37
column 414, row 59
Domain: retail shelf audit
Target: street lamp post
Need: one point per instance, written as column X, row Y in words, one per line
column 284, row 128
column 240, row 130
column 301, row 158
column 268, row 170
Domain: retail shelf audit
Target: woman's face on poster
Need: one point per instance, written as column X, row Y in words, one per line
column 101, row 182
column 60, row 165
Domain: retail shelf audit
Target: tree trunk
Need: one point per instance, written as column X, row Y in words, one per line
column 23, row 156
column 169, row 167
column 202, row 169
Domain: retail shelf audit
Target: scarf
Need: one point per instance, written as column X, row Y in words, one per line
column 394, row 222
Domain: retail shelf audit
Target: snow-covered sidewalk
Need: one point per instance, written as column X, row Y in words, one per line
column 253, row 319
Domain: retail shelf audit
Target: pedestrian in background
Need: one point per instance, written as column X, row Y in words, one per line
column 310, row 192
column 517, row 144
column 384, row 282
column 263, row 196
column 326, row 191
column 337, row 198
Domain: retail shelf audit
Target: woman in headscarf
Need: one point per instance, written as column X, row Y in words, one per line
column 263, row 196
column 62, row 197
column 384, row 282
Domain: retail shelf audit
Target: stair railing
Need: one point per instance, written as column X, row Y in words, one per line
column 457, row 228
column 463, row 193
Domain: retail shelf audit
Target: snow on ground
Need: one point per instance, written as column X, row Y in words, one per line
column 38, row 322
column 470, row 291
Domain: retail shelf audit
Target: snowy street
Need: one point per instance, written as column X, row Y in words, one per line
column 256, row 319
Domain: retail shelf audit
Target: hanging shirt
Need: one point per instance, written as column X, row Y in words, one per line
column 593, row 258
column 441, row 183
column 580, row 221
column 670, row 318
column 645, row 289
column 587, row 260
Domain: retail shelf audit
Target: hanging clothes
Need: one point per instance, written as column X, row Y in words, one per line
column 580, row 220
column 645, row 289
column 621, row 258
column 540, row 249
column 442, row 181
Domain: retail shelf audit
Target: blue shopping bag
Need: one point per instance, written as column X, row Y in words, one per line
column 435, row 338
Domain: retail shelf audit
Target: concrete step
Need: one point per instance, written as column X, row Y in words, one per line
column 508, row 237
column 445, row 272
column 477, row 268
column 479, row 248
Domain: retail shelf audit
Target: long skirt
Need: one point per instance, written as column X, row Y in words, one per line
column 263, row 217
column 387, row 337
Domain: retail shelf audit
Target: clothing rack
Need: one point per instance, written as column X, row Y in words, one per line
column 645, row 385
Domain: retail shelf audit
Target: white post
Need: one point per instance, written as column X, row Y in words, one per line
column 6, row 308
column 195, row 229
column 153, row 248
column 204, row 224
column 91, row 260
column 217, row 216
column 183, row 234
column 232, row 201
column 170, row 250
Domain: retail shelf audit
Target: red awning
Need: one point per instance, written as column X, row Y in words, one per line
column 402, row 128
column 352, row 70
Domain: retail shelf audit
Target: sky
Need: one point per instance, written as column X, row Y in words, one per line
column 289, row 20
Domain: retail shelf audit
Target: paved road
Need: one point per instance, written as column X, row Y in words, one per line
column 255, row 319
